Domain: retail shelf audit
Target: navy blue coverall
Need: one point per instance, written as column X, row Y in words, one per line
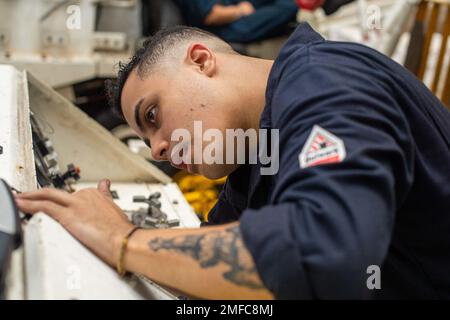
column 269, row 19
column 314, row 231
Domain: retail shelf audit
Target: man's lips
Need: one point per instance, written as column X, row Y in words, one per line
column 181, row 166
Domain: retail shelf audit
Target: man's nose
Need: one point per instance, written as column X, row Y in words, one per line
column 159, row 150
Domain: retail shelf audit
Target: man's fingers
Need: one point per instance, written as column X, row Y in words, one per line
column 104, row 187
column 47, row 194
column 32, row 206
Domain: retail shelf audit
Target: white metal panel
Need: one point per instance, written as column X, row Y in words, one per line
column 16, row 160
column 21, row 21
column 58, row 54
column 79, row 139
column 60, row 267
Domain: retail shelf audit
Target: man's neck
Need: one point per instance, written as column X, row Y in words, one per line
column 254, row 89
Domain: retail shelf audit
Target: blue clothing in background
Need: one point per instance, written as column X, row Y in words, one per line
column 269, row 19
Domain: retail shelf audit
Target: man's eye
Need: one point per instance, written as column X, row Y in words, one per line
column 147, row 143
column 150, row 115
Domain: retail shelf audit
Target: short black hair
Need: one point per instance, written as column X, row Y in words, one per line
column 149, row 55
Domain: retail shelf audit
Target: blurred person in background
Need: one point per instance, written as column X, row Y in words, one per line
column 240, row 21
column 247, row 21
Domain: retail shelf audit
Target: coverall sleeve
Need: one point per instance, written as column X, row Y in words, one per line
column 326, row 224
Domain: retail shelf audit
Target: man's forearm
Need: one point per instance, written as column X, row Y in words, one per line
column 221, row 15
column 210, row 263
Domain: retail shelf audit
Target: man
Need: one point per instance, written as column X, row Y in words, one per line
column 240, row 21
column 361, row 198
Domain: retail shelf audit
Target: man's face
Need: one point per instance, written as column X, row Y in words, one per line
column 173, row 98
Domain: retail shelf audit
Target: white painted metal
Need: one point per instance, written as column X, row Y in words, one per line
column 51, row 48
column 81, row 140
column 52, row 264
column 16, row 160
column 59, row 267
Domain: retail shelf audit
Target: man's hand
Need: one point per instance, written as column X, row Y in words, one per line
column 246, row 8
column 90, row 215
column 221, row 15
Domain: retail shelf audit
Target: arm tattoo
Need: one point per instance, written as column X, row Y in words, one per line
column 212, row 248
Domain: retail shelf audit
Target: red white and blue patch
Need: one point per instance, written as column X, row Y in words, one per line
column 322, row 147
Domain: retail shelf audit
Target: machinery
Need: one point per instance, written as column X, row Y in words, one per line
column 10, row 232
column 47, row 141
column 64, row 41
column 72, row 45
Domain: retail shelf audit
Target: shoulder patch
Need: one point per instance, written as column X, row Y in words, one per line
column 322, row 147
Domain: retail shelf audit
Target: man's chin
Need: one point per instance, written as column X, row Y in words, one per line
column 214, row 172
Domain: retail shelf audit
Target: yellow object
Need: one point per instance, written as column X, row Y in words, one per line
column 123, row 247
column 201, row 193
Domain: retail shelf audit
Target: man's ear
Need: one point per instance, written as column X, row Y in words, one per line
column 201, row 57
